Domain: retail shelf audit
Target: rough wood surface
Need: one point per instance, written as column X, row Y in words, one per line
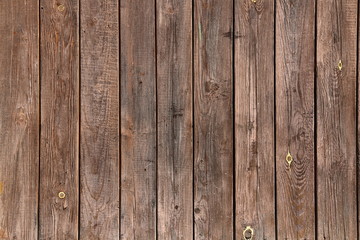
column 254, row 118
column 138, row 120
column 19, row 119
column 213, row 118
column 175, row 148
column 336, row 119
column 295, row 57
column 172, row 119
column 59, row 119
column 99, row 156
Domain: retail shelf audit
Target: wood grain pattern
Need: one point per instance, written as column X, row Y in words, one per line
column 99, row 156
column 336, row 119
column 213, row 118
column 295, row 57
column 59, row 119
column 19, row 119
column 138, row 120
column 254, row 118
column 175, row 148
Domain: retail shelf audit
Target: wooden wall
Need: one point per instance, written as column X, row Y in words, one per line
column 179, row 119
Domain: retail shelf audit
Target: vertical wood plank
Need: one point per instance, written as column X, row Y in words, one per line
column 19, row 119
column 138, row 120
column 59, row 119
column 175, row 148
column 254, row 118
column 99, row 156
column 336, row 119
column 295, row 59
column 213, row 117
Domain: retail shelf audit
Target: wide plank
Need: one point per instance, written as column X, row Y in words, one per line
column 254, row 118
column 213, row 119
column 336, row 119
column 295, row 106
column 138, row 119
column 19, row 119
column 99, row 127
column 175, row 134
column 59, row 153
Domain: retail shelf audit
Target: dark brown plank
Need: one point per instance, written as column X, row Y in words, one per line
column 213, row 97
column 59, row 119
column 336, row 119
column 254, row 118
column 295, row 57
column 138, row 120
column 99, row 161
column 174, row 88
column 19, row 119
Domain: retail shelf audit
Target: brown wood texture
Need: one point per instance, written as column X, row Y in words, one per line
column 19, row 119
column 295, row 65
column 138, row 120
column 336, row 119
column 213, row 119
column 59, row 153
column 174, row 121
column 99, row 142
column 254, row 118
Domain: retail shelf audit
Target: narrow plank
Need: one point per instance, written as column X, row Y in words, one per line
column 213, row 118
column 254, row 118
column 138, row 120
column 99, row 151
column 19, row 119
column 59, row 119
column 336, row 119
column 295, row 59
column 175, row 151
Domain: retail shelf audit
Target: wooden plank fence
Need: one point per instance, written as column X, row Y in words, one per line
column 179, row 119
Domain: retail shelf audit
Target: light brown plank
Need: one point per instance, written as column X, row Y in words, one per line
column 213, row 97
column 138, row 120
column 254, row 118
column 19, row 119
column 174, row 88
column 99, row 156
column 336, row 119
column 295, row 57
column 59, row 119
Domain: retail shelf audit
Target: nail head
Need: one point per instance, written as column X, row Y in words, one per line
column 340, row 65
column 249, row 230
column 289, row 158
column 61, row 7
column 62, row 195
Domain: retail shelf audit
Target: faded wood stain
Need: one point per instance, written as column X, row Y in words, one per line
column 167, row 119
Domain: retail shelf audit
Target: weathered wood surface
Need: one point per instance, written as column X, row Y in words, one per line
column 99, row 142
column 166, row 119
column 254, row 118
column 59, row 153
column 295, row 59
column 175, row 143
column 213, row 119
column 138, row 120
column 19, row 118
column 336, row 119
